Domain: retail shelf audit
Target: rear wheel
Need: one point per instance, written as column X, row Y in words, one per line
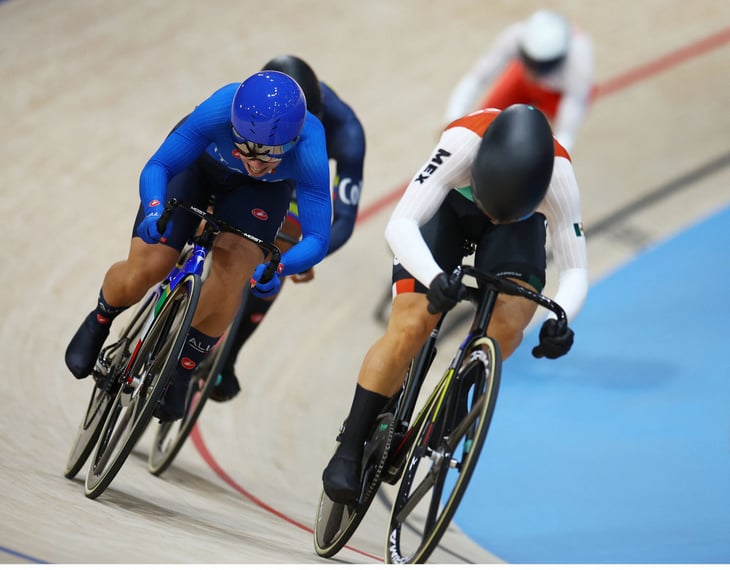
column 335, row 523
column 145, row 379
column 443, row 457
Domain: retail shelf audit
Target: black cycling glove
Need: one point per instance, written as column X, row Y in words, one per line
column 556, row 338
column 445, row 291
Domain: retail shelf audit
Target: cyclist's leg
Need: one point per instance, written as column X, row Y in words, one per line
column 126, row 281
column 386, row 363
column 124, row 284
column 233, row 262
column 254, row 311
column 381, row 375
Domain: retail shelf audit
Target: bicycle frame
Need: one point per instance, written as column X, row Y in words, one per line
column 484, row 299
column 127, row 373
column 195, row 262
column 447, row 433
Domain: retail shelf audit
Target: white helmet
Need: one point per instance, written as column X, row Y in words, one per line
column 545, row 41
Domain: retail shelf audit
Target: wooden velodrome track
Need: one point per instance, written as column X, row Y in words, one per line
column 90, row 88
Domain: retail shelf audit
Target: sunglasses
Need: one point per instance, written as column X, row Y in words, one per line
column 261, row 152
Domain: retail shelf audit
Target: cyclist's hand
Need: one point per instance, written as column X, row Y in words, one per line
column 443, row 294
column 556, row 338
column 304, row 276
column 267, row 289
column 148, row 230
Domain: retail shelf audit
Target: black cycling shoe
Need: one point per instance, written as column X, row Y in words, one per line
column 83, row 350
column 172, row 404
column 227, row 388
column 341, row 480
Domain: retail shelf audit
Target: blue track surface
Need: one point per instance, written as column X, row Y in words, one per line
column 620, row 452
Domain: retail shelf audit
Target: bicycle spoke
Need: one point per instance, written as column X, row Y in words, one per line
column 441, row 462
column 145, row 379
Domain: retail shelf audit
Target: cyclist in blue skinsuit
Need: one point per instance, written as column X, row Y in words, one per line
column 245, row 148
column 346, row 146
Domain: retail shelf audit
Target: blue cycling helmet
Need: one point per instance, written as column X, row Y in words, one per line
column 267, row 114
column 513, row 166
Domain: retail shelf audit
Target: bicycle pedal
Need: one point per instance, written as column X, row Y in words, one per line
column 104, row 382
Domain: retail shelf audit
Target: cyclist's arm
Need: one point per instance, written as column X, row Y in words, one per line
column 562, row 210
column 183, row 146
column 346, row 147
column 313, row 199
column 175, row 154
column 422, row 198
column 347, row 185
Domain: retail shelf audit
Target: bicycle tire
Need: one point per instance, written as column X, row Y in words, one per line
column 153, row 363
column 426, row 502
column 335, row 523
column 101, row 398
column 168, row 441
column 88, row 431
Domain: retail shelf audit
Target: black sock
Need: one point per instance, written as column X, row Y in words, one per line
column 366, row 406
column 104, row 314
column 253, row 313
column 197, row 346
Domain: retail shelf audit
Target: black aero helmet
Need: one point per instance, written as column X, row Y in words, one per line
column 302, row 73
column 513, row 165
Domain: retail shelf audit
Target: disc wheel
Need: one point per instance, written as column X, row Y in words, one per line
column 148, row 373
column 443, row 457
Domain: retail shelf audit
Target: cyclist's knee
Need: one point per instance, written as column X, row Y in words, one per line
column 234, row 259
column 147, row 265
column 511, row 316
column 410, row 324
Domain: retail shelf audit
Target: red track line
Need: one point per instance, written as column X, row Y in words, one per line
column 608, row 87
column 665, row 62
column 197, row 440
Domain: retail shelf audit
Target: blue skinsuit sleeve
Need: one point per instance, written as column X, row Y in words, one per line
column 182, row 147
column 313, row 199
column 346, row 146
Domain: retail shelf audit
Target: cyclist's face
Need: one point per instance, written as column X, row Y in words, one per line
column 256, row 164
column 257, row 168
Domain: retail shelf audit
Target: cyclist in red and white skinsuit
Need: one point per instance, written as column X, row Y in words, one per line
column 494, row 179
column 543, row 61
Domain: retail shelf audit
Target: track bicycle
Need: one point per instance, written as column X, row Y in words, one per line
column 430, row 457
column 171, row 435
column 132, row 372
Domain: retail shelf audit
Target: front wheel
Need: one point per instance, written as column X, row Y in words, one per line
column 170, row 436
column 149, row 371
column 443, row 457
